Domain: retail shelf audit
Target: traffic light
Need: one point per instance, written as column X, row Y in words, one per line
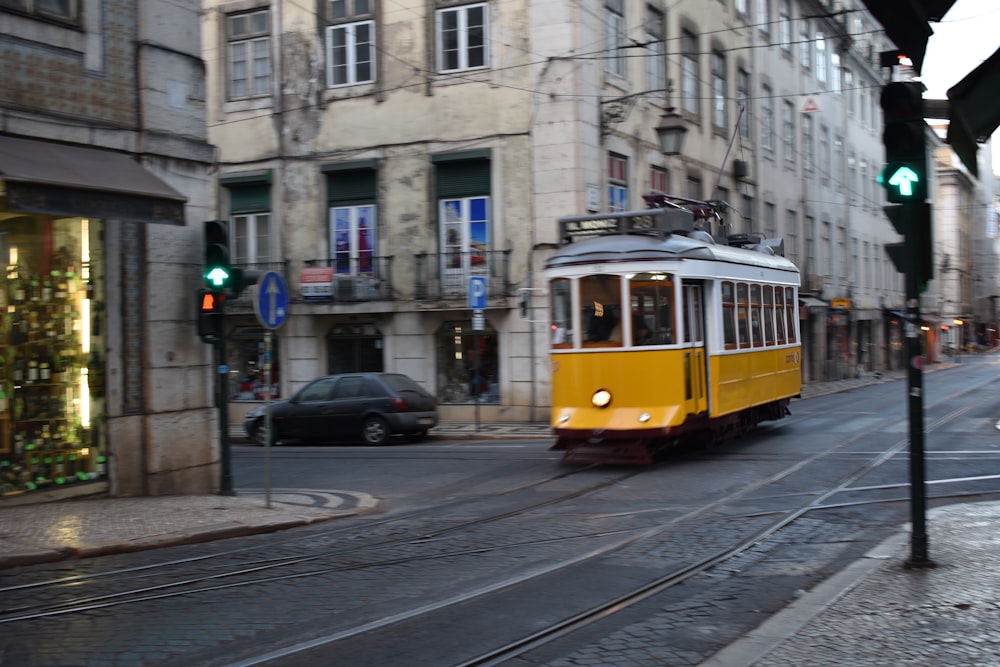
column 915, row 254
column 905, row 139
column 218, row 272
column 211, row 314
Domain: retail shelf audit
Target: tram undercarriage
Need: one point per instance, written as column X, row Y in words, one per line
column 599, row 446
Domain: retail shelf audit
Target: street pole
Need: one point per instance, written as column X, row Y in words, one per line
column 915, row 390
column 222, row 400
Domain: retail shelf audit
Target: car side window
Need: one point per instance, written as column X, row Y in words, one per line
column 350, row 387
column 318, row 391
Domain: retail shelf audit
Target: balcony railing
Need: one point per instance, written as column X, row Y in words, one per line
column 354, row 280
column 446, row 275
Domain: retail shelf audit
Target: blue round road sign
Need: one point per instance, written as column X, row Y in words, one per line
column 271, row 301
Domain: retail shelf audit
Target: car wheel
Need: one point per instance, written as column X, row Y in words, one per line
column 375, row 431
column 260, row 433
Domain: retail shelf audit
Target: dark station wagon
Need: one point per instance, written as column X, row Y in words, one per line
column 362, row 406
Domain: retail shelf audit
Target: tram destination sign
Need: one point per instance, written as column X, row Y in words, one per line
column 655, row 222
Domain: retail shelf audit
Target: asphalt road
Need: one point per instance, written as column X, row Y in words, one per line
column 478, row 544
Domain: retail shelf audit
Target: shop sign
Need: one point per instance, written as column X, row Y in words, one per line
column 316, row 283
column 840, row 304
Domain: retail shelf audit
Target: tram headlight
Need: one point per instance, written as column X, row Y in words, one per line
column 601, row 398
column 644, row 417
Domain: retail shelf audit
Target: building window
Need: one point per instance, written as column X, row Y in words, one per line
column 617, row 183
column 764, row 16
column 741, row 7
column 249, row 54
column 808, row 143
column 465, row 240
column 720, row 118
column 766, row 118
column 824, row 153
column 65, row 10
column 743, row 99
column 821, row 70
column 835, row 72
column 614, row 37
column 785, row 25
column 352, row 239
column 468, row 364
column 689, row 72
column 250, row 221
column 770, row 221
column 792, row 235
column 806, row 44
column 693, row 187
column 461, row 38
column 248, row 375
column 789, row 133
column 658, row 179
column 354, row 348
column 350, row 43
column 656, row 72
column 849, row 90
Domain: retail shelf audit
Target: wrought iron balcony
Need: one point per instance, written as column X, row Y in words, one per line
column 347, row 280
column 446, row 275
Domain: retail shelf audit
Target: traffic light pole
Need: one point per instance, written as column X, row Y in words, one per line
column 222, row 402
column 915, row 390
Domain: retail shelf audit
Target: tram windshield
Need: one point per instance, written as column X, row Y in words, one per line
column 647, row 318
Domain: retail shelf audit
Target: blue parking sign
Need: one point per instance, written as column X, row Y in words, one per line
column 477, row 292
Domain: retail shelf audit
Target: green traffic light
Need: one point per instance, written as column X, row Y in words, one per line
column 217, row 276
column 905, row 180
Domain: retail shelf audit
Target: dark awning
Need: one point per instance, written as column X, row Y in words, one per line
column 811, row 301
column 56, row 179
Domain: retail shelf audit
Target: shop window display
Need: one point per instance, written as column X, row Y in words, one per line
column 51, row 353
column 467, row 364
column 247, row 372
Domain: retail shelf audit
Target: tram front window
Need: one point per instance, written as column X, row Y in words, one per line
column 562, row 313
column 652, row 303
column 600, row 305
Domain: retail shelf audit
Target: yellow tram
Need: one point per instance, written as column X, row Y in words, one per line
column 661, row 333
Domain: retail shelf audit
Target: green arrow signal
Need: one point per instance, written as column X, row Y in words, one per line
column 904, row 179
column 217, row 276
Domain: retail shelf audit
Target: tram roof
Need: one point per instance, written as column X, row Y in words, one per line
column 643, row 248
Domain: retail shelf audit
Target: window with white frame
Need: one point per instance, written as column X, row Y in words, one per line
column 806, row 46
column 251, row 238
column 614, row 37
column 248, row 53
column 742, row 7
column 720, row 117
column 764, row 16
column 785, row 24
column 352, row 239
column 821, row 61
column 808, row 143
column 788, row 131
column 770, row 220
column 465, row 226
column 461, row 38
column 835, row 71
column 766, row 118
column 656, row 72
column 350, row 43
column 689, row 72
column 66, row 10
column 743, row 99
column 617, row 183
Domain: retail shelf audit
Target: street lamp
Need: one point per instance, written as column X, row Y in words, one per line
column 671, row 132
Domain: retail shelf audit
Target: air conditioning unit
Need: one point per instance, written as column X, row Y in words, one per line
column 352, row 288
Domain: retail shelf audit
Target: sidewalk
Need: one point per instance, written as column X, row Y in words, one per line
column 874, row 612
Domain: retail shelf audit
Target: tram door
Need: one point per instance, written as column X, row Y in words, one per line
column 695, row 371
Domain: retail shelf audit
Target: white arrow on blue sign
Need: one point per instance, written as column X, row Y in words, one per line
column 271, row 300
column 477, row 292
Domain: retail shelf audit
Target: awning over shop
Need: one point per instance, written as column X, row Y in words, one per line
column 55, row 179
column 811, row 302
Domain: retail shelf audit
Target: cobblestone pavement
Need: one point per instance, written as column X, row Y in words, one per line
column 873, row 612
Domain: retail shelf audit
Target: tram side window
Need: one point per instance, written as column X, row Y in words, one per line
column 769, row 315
column 779, row 314
column 742, row 317
column 652, row 309
column 755, row 316
column 562, row 314
column 790, row 302
column 600, row 305
column 729, row 315
column 692, row 314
